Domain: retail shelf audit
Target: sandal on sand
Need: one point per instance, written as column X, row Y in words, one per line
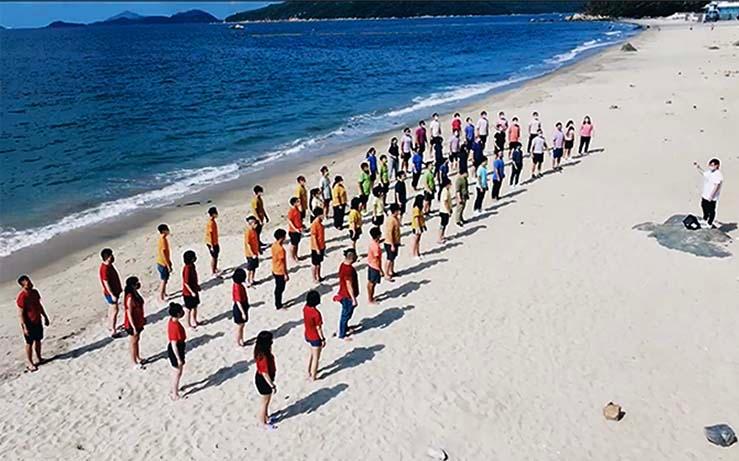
column 31, row 368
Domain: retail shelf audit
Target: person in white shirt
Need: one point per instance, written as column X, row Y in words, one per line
column 406, row 147
column 445, row 207
column 435, row 127
column 712, row 181
column 534, row 127
column 482, row 128
column 538, row 146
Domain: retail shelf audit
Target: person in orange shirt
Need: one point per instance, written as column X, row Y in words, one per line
column 317, row 243
column 294, row 227
column 392, row 240
column 257, row 209
column 211, row 239
column 279, row 266
column 164, row 262
column 374, row 264
column 251, row 249
column 302, row 194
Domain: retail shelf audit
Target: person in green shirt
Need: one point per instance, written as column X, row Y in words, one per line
column 429, row 188
column 462, row 187
column 384, row 173
column 365, row 184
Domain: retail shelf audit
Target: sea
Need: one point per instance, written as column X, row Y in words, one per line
column 100, row 122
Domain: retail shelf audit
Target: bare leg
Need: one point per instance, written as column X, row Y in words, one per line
column 371, row 292
column 113, row 317
column 240, row 335
column 176, row 376
column 263, row 409
column 37, row 348
column 29, row 358
column 163, row 290
column 315, row 356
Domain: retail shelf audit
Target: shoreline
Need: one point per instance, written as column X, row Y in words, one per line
column 81, row 241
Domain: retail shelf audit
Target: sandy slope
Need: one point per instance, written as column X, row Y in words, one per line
column 502, row 344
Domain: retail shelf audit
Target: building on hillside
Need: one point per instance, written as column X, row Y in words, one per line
column 722, row 10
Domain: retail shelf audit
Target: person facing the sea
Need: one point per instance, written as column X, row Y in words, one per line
column 339, row 198
column 421, row 137
column 264, row 379
column 418, row 224
column 371, row 158
column 393, row 151
column 384, row 173
column 462, row 187
column 501, row 126
column 211, row 239
column 482, row 129
column 294, row 227
column 481, row 176
column 455, row 144
column 279, row 266
column 176, row 337
column 498, row 175
column 301, row 192
column 469, row 132
column 392, row 240
column 365, row 184
column 316, row 201
column 326, row 193
column 111, row 282
column 32, row 317
column 457, row 122
column 190, row 288
column 429, row 188
column 355, row 221
column 240, row 308
column 251, row 249
column 569, row 139
column 514, row 136
column 378, row 206
column 348, row 292
column 445, row 207
column 478, row 153
column 435, row 128
column 516, row 165
column 257, row 209
column 712, row 181
column 538, row 147
column 534, row 128
column 313, row 332
column 134, row 318
column 586, row 133
column 417, row 169
column 401, row 194
column 164, row 261
column 317, row 244
column 406, row 149
column 374, row 264
column 558, row 144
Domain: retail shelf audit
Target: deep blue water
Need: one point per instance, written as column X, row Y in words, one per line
column 137, row 116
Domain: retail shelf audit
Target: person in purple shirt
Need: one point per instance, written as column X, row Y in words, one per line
column 558, row 143
column 421, row 138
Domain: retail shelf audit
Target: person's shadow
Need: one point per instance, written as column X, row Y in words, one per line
column 219, row 377
column 309, row 403
column 384, row 319
column 351, row 359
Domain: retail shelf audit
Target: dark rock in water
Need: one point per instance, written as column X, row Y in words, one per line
column 628, row 47
column 720, row 434
column 709, row 243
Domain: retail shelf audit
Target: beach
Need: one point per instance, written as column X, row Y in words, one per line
column 503, row 343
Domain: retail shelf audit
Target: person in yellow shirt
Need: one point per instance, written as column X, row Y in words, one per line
column 257, row 209
column 302, row 194
column 211, row 239
column 317, row 243
column 164, row 262
column 418, row 223
column 251, row 249
column 339, row 199
column 392, row 240
column 355, row 222
column 279, row 266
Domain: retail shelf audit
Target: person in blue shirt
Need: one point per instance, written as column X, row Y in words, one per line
column 372, row 160
column 478, row 155
column 417, row 161
column 469, row 132
column 482, row 185
column 498, row 174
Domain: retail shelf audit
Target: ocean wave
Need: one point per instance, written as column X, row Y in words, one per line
column 573, row 53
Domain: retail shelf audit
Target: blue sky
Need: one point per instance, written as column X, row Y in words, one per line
column 39, row 14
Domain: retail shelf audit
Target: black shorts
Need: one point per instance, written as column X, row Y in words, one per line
column 35, row 332
column 406, row 156
column 363, row 198
column 262, row 386
column 444, row 219
column 513, row 144
column 389, row 253
column 180, row 350
column 295, row 238
column 538, row 158
column 316, row 257
column 428, row 196
column 214, row 250
column 569, row 144
column 354, row 236
column 373, row 275
column 378, row 220
column 130, row 332
column 191, row 302
column 238, row 319
column 252, row 264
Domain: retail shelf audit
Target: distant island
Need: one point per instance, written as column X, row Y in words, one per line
column 401, row 9
column 128, row 18
column 640, row 9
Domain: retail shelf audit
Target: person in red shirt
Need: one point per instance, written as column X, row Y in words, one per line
column 176, row 346
column 190, row 288
column 134, row 318
column 457, row 123
column 313, row 323
column 30, row 313
column 112, row 289
column 294, row 227
column 374, row 264
column 348, row 291
column 317, row 243
column 264, row 379
column 240, row 309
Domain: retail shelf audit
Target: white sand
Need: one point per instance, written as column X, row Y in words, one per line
column 503, row 344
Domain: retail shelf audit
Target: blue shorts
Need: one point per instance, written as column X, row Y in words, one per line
column 109, row 299
column 163, row 272
column 314, row 343
column 557, row 152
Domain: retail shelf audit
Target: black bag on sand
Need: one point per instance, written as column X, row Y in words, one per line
column 691, row 222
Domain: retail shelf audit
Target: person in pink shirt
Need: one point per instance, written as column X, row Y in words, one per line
column 558, row 143
column 569, row 138
column 586, row 133
column 374, row 264
column 514, row 136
